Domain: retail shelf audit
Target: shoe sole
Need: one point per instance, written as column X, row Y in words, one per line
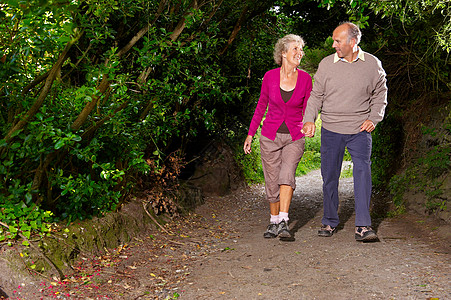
column 270, row 236
column 284, row 235
column 326, row 233
column 372, row 237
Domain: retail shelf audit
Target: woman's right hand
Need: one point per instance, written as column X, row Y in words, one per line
column 247, row 144
column 309, row 129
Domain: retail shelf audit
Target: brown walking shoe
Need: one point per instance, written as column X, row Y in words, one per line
column 365, row 234
column 326, row 230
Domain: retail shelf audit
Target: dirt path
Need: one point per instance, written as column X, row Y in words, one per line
column 400, row 266
column 220, row 253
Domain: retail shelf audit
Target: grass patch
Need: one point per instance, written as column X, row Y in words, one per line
column 311, row 160
column 346, row 172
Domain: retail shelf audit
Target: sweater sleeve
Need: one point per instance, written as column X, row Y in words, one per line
column 261, row 107
column 378, row 99
column 315, row 101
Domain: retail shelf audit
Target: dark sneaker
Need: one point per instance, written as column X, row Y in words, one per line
column 326, row 230
column 284, row 232
column 272, row 231
column 365, row 234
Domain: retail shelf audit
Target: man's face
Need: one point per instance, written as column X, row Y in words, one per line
column 341, row 45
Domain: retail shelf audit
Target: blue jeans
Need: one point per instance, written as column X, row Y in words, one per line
column 332, row 150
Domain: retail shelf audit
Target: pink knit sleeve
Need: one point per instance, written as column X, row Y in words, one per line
column 261, row 107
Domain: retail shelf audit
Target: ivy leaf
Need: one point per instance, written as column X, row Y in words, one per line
column 27, row 234
column 59, row 144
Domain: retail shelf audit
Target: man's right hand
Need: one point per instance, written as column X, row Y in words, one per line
column 309, row 129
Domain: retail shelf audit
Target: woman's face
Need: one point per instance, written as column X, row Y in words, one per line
column 294, row 53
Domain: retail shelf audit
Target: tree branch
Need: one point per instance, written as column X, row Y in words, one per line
column 104, row 84
column 236, row 29
column 182, row 23
column 48, row 84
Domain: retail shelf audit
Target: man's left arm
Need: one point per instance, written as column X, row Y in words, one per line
column 378, row 101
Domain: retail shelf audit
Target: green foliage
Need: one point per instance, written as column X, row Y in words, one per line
column 22, row 219
column 425, row 176
column 84, row 196
column 250, row 164
column 435, row 12
column 112, row 135
column 418, row 30
column 313, row 56
column 112, row 115
column 175, row 295
column 411, row 11
column 387, row 149
column 346, row 172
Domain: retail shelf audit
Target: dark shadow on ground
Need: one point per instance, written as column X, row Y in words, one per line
column 3, row 295
column 345, row 211
column 303, row 209
column 381, row 205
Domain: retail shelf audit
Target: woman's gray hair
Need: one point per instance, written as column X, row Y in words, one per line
column 282, row 46
column 353, row 32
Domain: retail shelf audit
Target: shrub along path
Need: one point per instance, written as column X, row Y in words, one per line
column 219, row 253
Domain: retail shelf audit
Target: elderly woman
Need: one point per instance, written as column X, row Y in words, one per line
column 284, row 92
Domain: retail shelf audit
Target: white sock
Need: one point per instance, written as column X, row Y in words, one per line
column 274, row 219
column 283, row 216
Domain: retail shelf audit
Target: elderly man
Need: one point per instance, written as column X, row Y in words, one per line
column 351, row 93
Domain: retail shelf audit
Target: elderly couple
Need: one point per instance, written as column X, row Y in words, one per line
column 351, row 93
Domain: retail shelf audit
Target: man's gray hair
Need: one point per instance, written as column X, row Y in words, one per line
column 353, row 32
column 282, row 46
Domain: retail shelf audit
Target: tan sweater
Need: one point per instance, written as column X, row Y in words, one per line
column 347, row 94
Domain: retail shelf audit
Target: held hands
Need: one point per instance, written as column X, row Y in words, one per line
column 309, row 129
column 247, row 144
column 367, row 126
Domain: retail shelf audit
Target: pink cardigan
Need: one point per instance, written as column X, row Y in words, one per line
column 291, row 112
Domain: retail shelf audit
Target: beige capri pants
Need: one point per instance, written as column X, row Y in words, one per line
column 280, row 159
